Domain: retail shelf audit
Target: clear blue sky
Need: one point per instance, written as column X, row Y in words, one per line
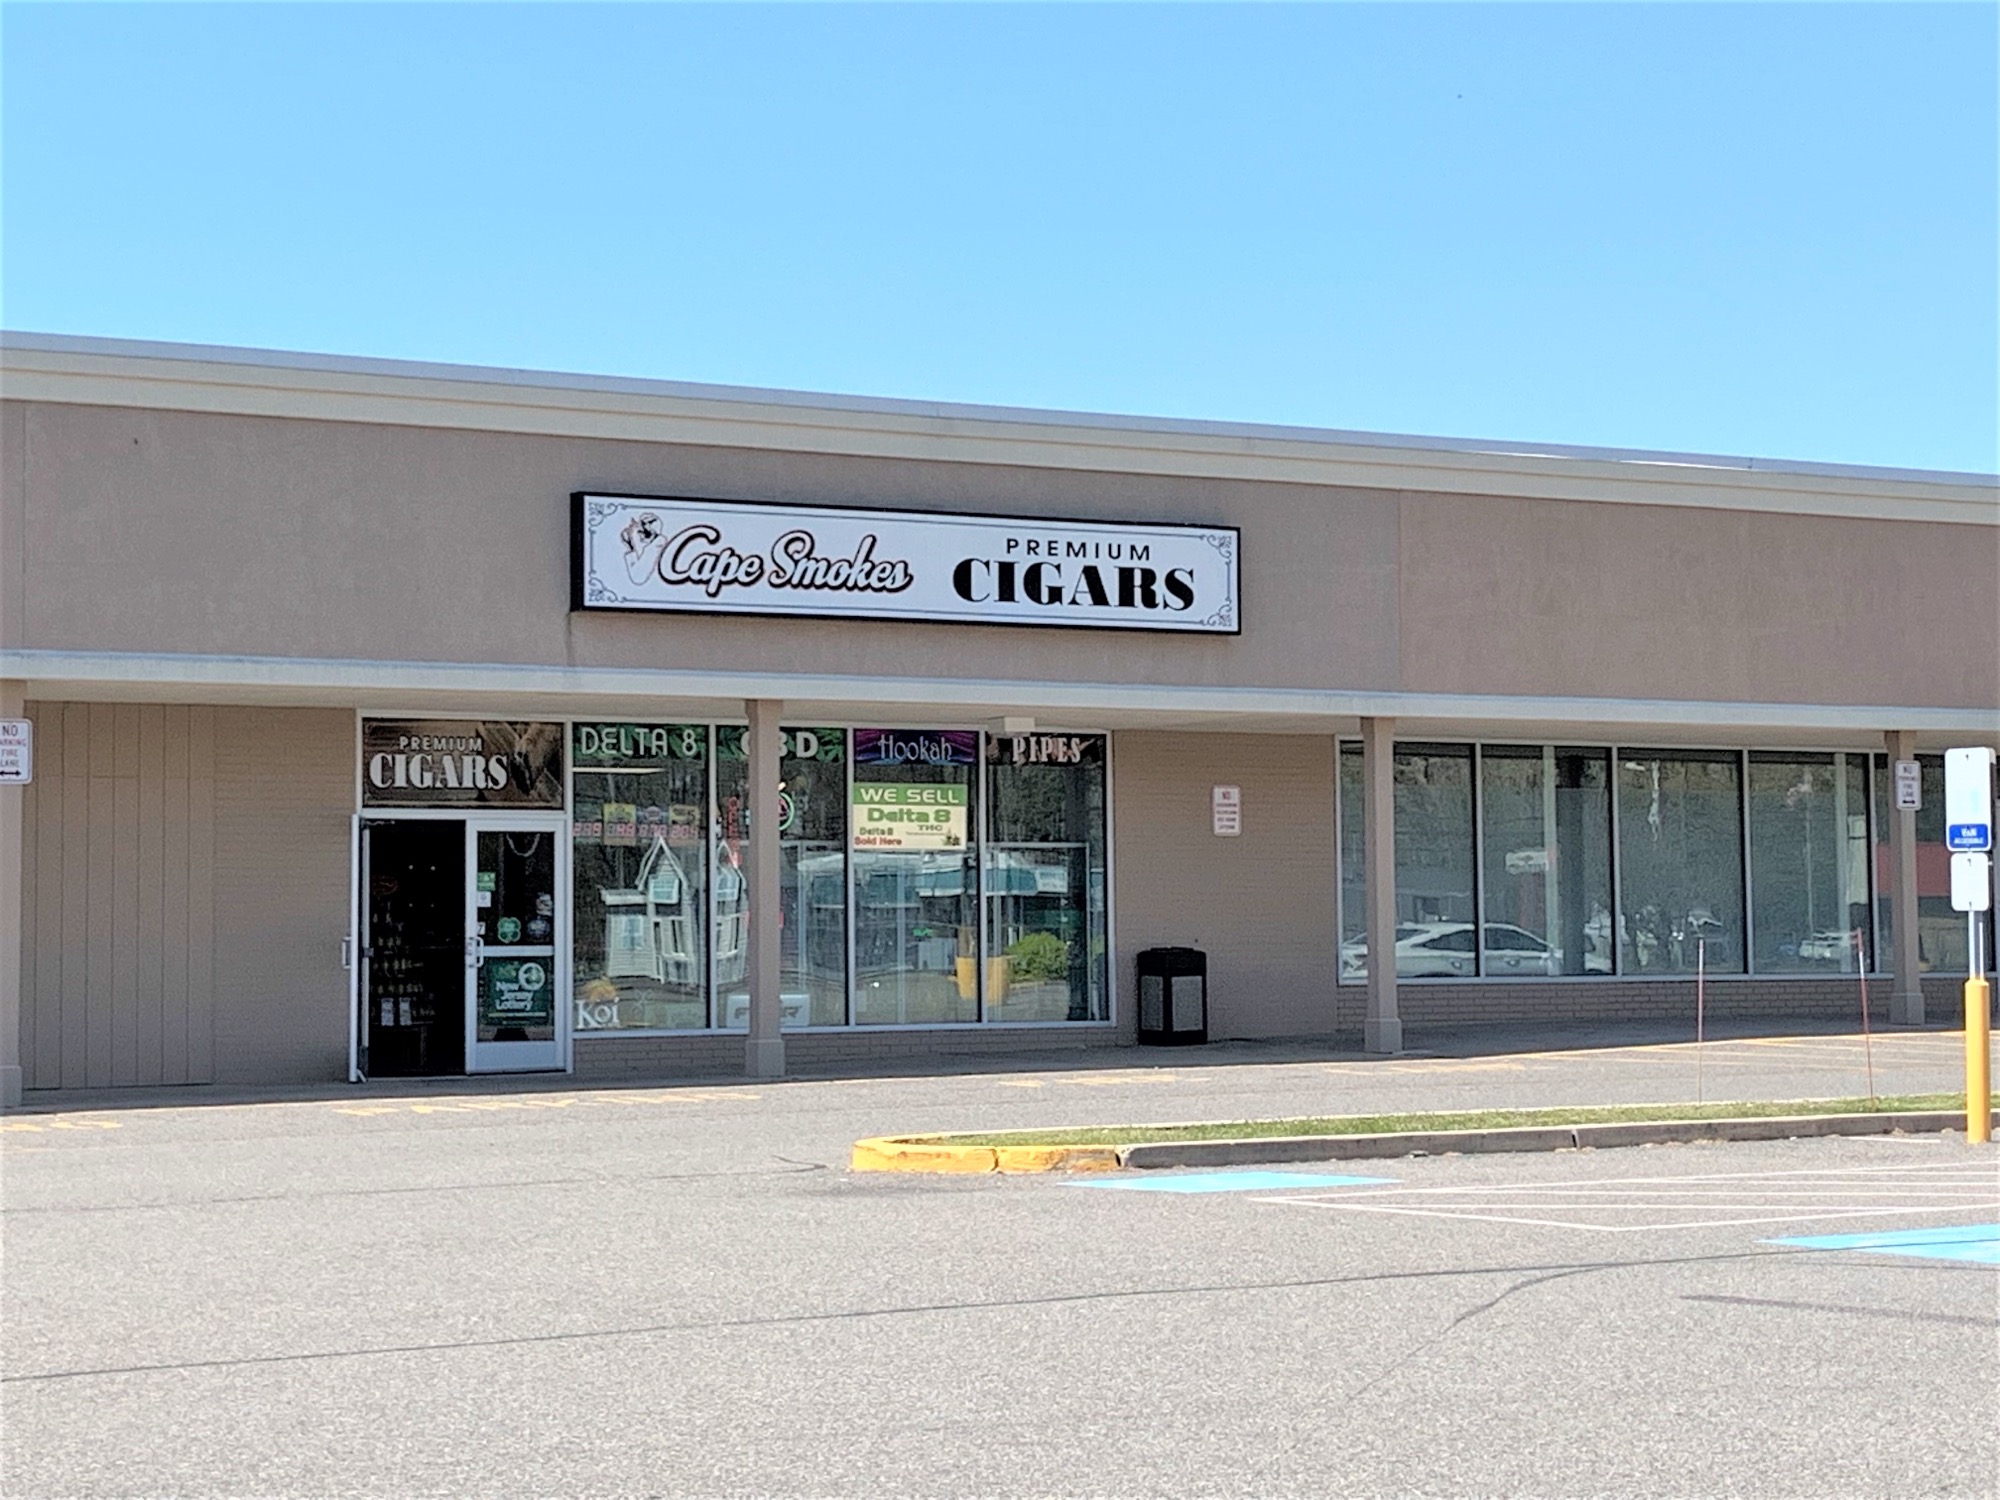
column 1766, row 230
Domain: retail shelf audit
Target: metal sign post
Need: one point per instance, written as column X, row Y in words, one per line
column 1968, row 819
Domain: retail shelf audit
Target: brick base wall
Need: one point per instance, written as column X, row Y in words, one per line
column 624, row 1058
column 1833, row 998
column 1424, row 1007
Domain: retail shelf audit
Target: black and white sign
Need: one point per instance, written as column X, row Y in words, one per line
column 1225, row 806
column 1909, row 786
column 729, row 557
column 17, row 751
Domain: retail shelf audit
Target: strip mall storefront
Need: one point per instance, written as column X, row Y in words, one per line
column 400, row 720
column 941, row 877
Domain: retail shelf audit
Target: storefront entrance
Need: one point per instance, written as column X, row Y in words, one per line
column 461, row 938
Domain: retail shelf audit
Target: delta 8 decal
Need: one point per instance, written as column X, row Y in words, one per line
column 734, row 557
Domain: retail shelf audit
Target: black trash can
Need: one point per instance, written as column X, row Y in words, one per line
column 1173, row 997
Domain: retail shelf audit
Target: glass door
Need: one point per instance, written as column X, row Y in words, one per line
column 411, row 965
column 515, row 905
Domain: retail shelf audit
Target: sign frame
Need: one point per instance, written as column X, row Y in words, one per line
column 1968, row 800
column 1908, row 779
column 17, row 752
column 590, row 595
column 1225, row 811
column 1971, row 884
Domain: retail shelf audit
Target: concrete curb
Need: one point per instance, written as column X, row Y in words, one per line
column 939, row 1154
column 917, row 1153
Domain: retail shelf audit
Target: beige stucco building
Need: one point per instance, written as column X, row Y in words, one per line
column 340, row 770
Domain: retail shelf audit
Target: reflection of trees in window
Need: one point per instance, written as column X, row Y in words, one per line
column 639, row 878
column 1680, row 838
column 1045, row 886
column 1809, row 859
column 1434, row 863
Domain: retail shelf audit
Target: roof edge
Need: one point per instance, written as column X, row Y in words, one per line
column 91, row 370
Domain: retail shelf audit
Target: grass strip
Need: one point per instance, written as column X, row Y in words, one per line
column 1473, row 1119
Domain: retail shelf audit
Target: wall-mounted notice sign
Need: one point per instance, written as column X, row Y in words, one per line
column 1225, row 807
column 1909, row 786
column 888, row 815
column 17, row 751
column 732, row 557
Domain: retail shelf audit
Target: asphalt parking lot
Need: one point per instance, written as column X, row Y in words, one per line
column 516, row 1291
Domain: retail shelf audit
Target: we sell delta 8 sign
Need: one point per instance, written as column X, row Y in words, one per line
column 729, row 557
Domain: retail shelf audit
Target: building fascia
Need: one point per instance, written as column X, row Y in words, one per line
column 98, row 372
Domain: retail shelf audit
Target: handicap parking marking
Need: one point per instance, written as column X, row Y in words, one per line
column 1627, row 1205
column 1976, row 1243
column 1230, row 1182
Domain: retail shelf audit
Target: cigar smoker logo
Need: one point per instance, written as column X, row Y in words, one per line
column 697, row 556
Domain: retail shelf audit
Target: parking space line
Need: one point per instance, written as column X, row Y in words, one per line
column 1228, row 1182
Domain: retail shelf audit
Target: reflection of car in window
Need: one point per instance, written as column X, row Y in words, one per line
column 1444, row 950
column 1827, row 948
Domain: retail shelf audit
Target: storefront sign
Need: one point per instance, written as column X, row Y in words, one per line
column 460, row 763
column 888, row 815
column 732, row 743
column 729, row 557
column 516, row 992
column 916, row 747
column 1045, row 749
column 637, row 747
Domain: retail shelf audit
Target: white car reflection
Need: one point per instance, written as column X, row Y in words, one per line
column 1444, row 950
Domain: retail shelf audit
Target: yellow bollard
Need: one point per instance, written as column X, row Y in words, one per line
column 1978, row 1064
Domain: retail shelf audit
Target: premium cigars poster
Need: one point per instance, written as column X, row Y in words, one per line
column 460, row 763
column 732, row 557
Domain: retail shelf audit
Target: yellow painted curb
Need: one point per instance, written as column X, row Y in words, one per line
column 919, row 1153
column 1056, row 1158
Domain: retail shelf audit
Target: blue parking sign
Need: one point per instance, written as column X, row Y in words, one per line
column 1968, row 837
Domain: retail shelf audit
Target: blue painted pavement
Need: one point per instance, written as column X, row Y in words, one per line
column 1978, row 1243
column 1231, row 1182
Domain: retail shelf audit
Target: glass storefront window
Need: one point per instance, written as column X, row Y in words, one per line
column 1680, row 836
column 1353, row 864
column 1044, row 879
column 1434, row 862
column 916, row 934
column 640, row 876
column 812, row 848
column 1545, row 813
column 1808, row 862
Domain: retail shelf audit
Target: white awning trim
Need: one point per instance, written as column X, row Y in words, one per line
column 513, row 688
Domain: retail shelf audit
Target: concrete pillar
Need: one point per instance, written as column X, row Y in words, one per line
column 765, row 1056
column 1906, row 991
column 12, row 799
column 1381, row 1028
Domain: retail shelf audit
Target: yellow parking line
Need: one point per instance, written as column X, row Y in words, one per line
column 58, row 1123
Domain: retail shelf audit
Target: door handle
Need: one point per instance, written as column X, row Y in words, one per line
column 347, row 953
column 475, row 951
